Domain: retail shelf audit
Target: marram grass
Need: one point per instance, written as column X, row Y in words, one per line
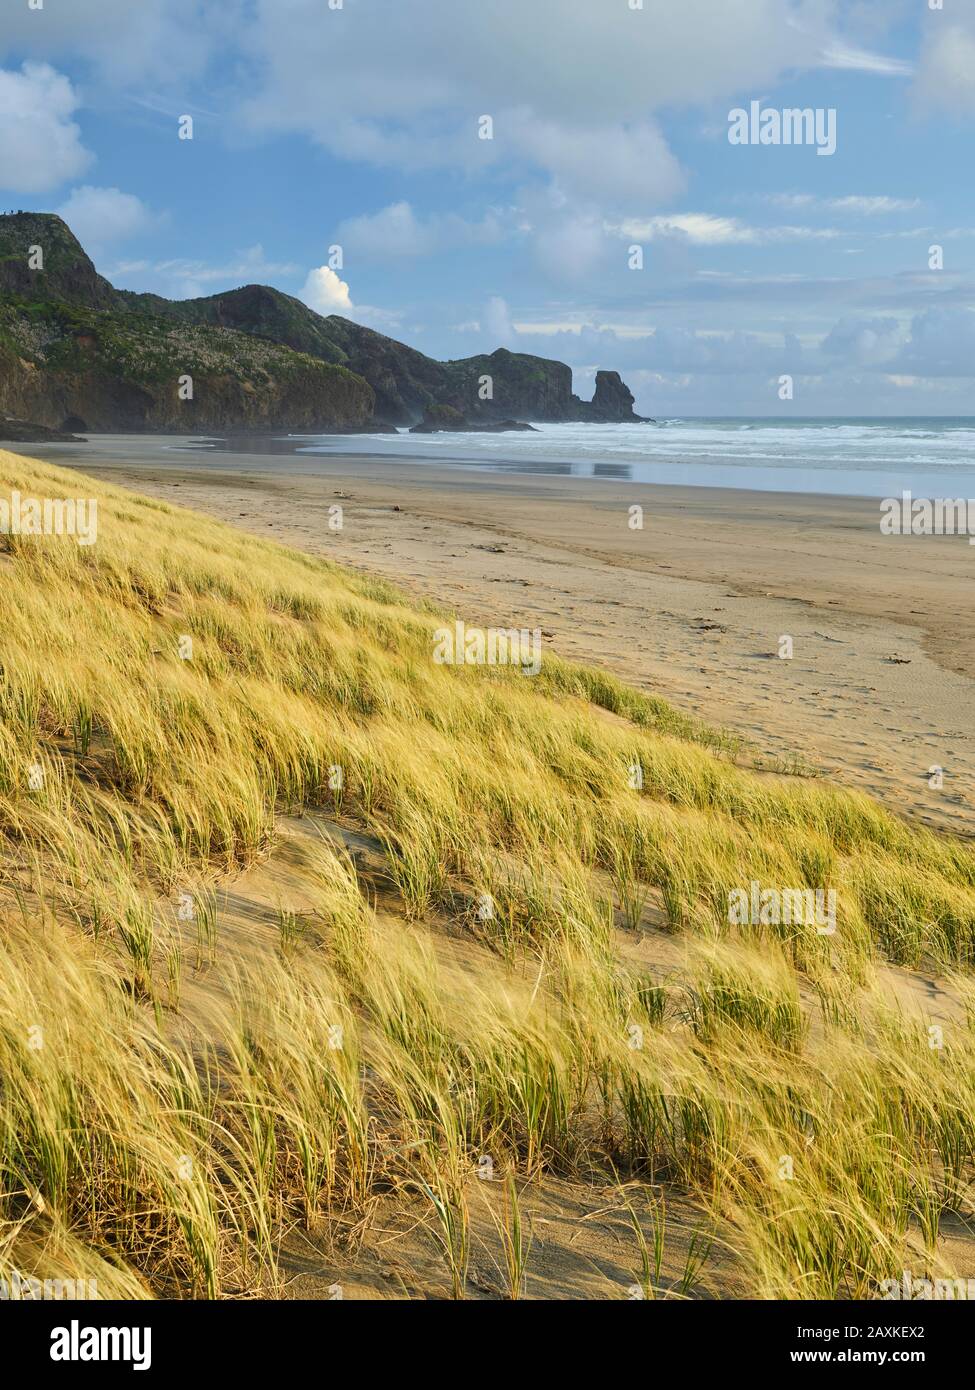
column 167, row 692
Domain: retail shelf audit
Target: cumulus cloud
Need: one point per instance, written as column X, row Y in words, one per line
column 325, row 293
column 931, row 345
column 98, row 216
column 41, row 146
column 865, row 342
column 941, row 343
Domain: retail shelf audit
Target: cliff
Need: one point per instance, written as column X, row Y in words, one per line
column 493, row 386
column 77, row 353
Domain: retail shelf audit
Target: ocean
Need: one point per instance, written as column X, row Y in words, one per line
column 859, row 457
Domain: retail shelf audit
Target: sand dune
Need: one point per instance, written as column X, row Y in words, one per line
column 882, row 682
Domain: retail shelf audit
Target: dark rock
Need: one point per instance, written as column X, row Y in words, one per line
column 612, row 402
column 441, row 417
column 26, row 432
column 613, row 398
column 446, row 418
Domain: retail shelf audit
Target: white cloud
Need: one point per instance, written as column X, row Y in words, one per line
column 571, row 246
column 706, row 229
column 842, row 55
column 699, row 228
column 573, row 87
column 569, row 241
column 41, row 146
column 375, row 76
column 871, row 206
column 617, row 164
column 101, row 215
column 855, row 204
column 942, row 343
column 865, row 342
column 325, row 293
column 396, row 231
column 128, row 43
column 946, row 74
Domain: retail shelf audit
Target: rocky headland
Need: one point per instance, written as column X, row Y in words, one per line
column 79, row 355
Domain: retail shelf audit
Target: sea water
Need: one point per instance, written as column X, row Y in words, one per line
column 860, row 457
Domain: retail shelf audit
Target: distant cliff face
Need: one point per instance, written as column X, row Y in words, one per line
column 106, row 371
column 405, row 381
column 520, row 385
column 495, row 386
column 72, row 347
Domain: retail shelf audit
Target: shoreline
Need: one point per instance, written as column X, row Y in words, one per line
column 678, row 466
column 882, row 681
column 114, row 452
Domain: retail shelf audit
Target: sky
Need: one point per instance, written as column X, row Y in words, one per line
column 551, row 176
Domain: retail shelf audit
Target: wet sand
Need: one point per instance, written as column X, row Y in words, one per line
column 881, row 687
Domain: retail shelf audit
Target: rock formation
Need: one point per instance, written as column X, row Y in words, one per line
column 439, row 419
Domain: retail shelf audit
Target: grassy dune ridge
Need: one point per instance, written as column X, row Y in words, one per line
column 166, row 1150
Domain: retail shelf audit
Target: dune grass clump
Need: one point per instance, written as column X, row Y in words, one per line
column 754, row 991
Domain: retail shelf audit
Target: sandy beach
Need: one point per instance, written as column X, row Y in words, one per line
column 880, row 688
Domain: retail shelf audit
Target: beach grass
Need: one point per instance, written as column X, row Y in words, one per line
column 169, row 1104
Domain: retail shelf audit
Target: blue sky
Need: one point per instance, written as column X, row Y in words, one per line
column 358, row 126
